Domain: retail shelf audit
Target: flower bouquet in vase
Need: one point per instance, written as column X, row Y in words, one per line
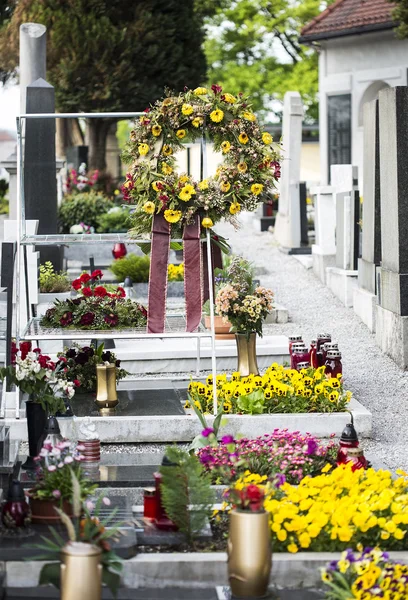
column 249, row 543
column 48, row 391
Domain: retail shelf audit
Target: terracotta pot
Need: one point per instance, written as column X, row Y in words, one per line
column 43, row 511
column 221, row 328
column 249, row 554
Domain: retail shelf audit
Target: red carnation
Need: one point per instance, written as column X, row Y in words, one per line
column 43, row 360
column 143, row 310
column 76, row 383
column 77, row 284
column 13, row 352
column 87, row 292
column 111, row 319
column 62, row 359
column 254, row 495
column 66, row 319
column 87, row 318
column 85, row 277
column 100, row 291
column 120, row 292
column 51, row 365
column 97, row 274
column 25, row 348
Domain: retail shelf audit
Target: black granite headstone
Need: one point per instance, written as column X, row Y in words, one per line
column 40, row 179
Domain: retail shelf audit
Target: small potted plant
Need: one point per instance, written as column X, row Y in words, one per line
column 87, row 551
column 79, row 366
column 41, row 378
column 249, row 543
column 53, row 487
column 53, row 285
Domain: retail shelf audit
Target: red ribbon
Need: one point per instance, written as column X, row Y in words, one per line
column 159, row 258
column 192, row 274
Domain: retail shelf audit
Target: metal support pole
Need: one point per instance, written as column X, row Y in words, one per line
column 211, row 299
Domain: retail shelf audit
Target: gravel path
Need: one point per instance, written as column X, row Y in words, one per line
column 376, row 381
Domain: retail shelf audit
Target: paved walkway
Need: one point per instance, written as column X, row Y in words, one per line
column 375, row 379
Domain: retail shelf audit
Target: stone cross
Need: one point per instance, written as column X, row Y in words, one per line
column 287, row 227
column 32, row 57
column 392, row 311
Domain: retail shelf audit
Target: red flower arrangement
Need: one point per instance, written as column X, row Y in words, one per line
column 251, row 497
column 95, row 307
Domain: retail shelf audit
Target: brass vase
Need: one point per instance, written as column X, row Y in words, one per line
column 249, row 554
column 106, row 395
column 246, row 348
column 81, row 572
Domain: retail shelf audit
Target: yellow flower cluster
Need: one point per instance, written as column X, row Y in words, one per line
column 283, row 390
column 339, row 508
column 175, row 272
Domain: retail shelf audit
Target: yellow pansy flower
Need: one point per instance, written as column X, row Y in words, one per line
column 225, row 147
column 143, row 149
column 187, row 109
column 243, row 138
column 217, row 115
column 200, row 91
column 149, row 207
column 207, row 222
column 156, row 130
column 267, row 138
column 172, row 216
column 257, row 188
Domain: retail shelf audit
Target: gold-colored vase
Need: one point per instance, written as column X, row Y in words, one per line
column 106, row 395
column 81, row 572
column 246, row 348
column 249, row 554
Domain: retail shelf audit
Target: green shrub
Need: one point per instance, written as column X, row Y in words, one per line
column 4, row 203
column 51, row 281
column 114, row 221
column 136, row 267
column 86, row 207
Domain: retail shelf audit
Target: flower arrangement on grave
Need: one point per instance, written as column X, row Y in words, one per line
column 339, row 507
column 365, row 575
column 249, row 496
column 79, row 365
column 95, row 307
column 89, row 534
column 246, row 177
column 38, row 376
column 81, row 181
column 279, row 390
column 280, row 456
column 55, row 464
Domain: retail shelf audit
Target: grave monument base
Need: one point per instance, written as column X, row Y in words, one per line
column 321, row 262
column 342, row 283
column 392, row 335
column 365, row 305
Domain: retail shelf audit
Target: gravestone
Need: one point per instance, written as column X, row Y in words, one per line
column 287, row 227
column 33, row 55
column 324, row 250
column 40, row 182
column 392, row 309
column 342, row 278
column 365, row 295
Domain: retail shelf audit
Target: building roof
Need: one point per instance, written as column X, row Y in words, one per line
column 349, row 17
column 7, row 136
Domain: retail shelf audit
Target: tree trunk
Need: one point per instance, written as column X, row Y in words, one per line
column 97, row 133
column 68, row 134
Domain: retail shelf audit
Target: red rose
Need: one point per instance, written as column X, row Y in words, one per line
column 76, row 383
column 111, row 319
column 43, row 360
column 13, row 352
column 100, row 291
column 97, row 274
column 85, row 278
column 120, row 292
column 77, row 284
column 87, row 292
column 255, row 496
column 25, row 348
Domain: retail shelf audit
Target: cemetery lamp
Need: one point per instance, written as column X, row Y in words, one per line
column 119, row 250
column 16, row 511
column 348, row 440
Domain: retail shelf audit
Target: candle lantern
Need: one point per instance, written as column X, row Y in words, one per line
column 356, row 457
column 348, row 440
column 119, row 250
column 162, row 521
column 15, row 512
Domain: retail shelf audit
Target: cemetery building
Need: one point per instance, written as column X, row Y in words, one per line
column 359, row 55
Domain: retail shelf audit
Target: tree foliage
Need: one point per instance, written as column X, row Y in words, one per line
column 400, row 14
column 252, row 45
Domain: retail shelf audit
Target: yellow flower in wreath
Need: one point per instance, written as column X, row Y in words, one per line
column 207, row 222
column 203, row 185
column 225, row 147
column 235, row 208
column 267, row 138
column 167, row 150
column 200, row 91
column 257, row 188
column 197, row 122
column 243, row 138
column 184, row 195
column 181, row 133
column 143, row 149
column 217, row 115
column 167, row 102
column 149, row 207
column 166, row 169
column 189, row 189
column 249, row 116
column 242, row 167
column 155, row 186
column 225, row 186
column 229, row 98
column 187, row 109
column 156, row 130
column 172, row 216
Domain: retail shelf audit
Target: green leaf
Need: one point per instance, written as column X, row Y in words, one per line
column 112, row 580
column 51, row 575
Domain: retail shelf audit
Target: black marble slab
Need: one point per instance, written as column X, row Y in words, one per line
column 132, row 403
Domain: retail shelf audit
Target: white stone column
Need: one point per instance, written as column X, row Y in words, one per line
column 10, row 164
column 32, row 57
column 324, row 250
column 287, row 226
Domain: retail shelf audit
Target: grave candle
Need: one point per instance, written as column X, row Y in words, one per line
column 149, row 503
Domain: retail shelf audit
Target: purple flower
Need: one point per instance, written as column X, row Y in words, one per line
column 56, row 494
column 280, row 479
column 106, row 501
column 312, row 446
column 228, row 439
column 207, row 431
